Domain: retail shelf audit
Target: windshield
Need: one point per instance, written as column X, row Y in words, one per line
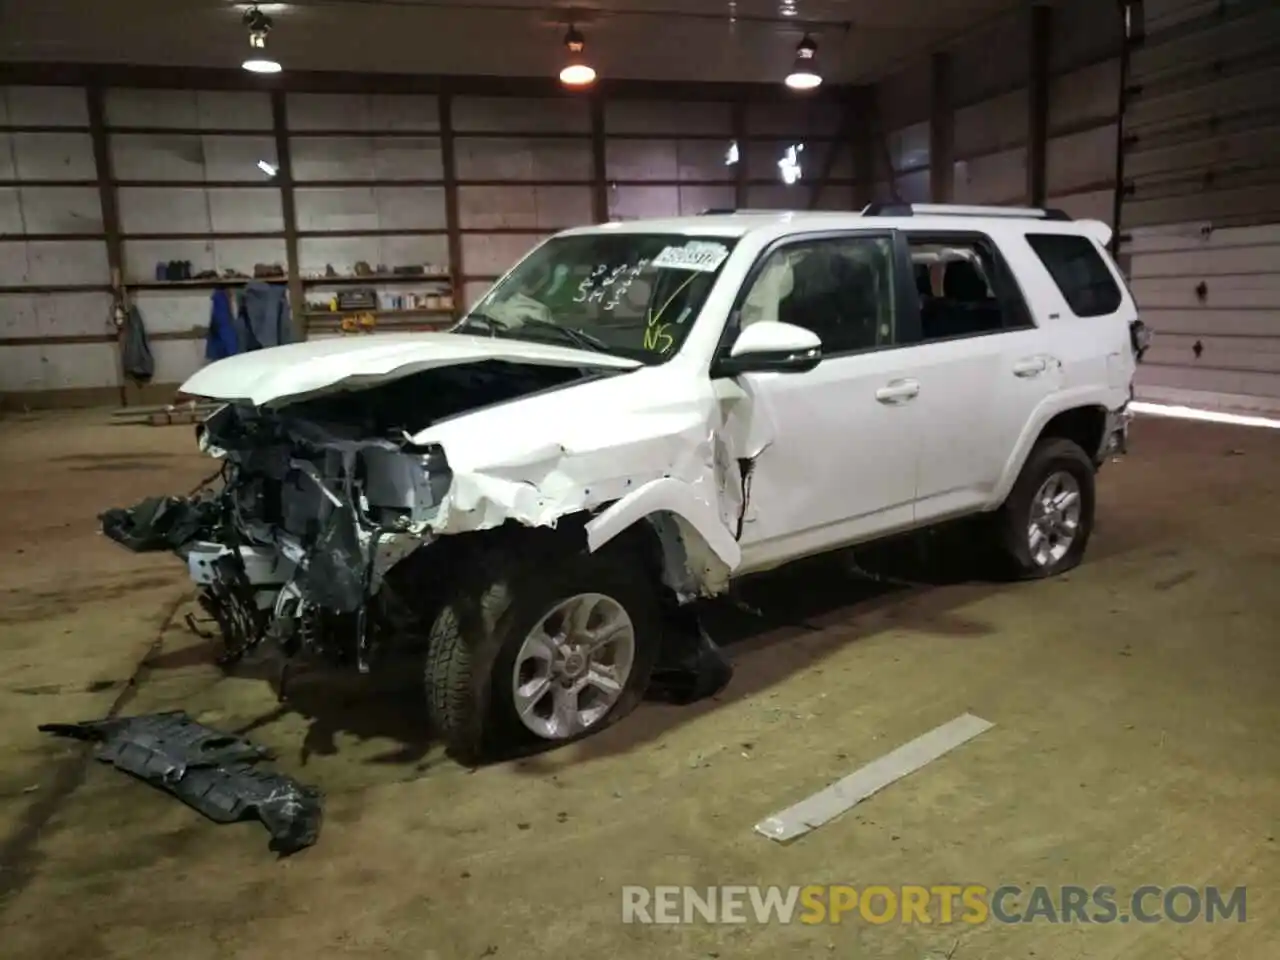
column 635, row 295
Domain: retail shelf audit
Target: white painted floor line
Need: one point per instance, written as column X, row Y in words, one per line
column 1209, row 416
column 830, row 802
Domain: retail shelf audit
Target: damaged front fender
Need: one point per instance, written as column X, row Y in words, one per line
column 699, row 551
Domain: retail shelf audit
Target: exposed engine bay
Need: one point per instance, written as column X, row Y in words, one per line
column 319, row 499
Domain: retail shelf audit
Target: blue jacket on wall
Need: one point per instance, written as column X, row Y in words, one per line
column 263, row 318
column 222, row 340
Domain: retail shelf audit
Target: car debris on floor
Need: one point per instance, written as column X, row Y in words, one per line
column 213, row 772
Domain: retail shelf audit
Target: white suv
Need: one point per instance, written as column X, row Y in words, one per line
column 639, row 414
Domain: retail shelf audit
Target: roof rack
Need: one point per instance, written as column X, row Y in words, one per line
column 722, row 211
column 961, row 210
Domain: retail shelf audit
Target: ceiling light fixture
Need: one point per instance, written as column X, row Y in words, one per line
column 259, row 25
column 577, row 72
column 804, row 73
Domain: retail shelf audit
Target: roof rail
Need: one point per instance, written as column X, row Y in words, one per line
column 720, row 211
column 961, row 210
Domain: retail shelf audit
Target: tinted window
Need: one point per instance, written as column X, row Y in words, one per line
column 958, row 282
column 841, row 288
column 1080, row 273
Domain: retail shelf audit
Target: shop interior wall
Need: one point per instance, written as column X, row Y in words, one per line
column 978, row 115
column 115, row 183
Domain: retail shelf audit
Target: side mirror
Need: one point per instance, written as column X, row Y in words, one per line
column 768, row 346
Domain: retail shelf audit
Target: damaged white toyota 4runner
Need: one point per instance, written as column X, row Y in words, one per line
column 637, row 415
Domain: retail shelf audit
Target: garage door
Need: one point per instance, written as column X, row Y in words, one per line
column 1200, row 207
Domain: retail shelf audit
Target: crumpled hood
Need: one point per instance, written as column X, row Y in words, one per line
column 300, row 370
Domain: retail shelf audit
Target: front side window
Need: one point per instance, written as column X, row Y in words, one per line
column 634, row 295
column 841, row 288
column 1080, row 273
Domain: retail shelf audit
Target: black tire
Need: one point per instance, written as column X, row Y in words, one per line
column 475, row 638
column 1050, row 455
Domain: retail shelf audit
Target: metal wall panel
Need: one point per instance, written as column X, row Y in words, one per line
column 997, row 178
column 199, row 109
column 526, row 158
column 1087, row 205
column 645, row 117
column 315, row 254
column 1218, row 290
column 1202, row 123
column 1085, row 97
column 44, row 107
column 1082, row 160
column 52, row 290
column 355, row 112
column 904, row 98
column 490, row 255
column 991, row 126
column 988, row 94
column 507, row 114
column 365, row 158
column 47, row 156
column 992, row 62
column 1200, row 215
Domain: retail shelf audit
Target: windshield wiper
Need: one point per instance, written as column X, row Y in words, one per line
column 493, row 325
column 579, row 338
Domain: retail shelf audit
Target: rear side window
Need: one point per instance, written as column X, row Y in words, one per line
column 1080, row 273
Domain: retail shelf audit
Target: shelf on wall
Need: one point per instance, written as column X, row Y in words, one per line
column 380, row 278
column 58, row 288
column 207, row 283
column 404, row 312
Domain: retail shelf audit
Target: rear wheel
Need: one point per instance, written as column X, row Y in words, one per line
column 1046, row 522
column 544, row 652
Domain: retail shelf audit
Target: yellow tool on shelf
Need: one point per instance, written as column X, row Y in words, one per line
column 359, row 323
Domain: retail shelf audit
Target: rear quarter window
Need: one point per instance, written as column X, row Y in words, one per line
column 1081, row 274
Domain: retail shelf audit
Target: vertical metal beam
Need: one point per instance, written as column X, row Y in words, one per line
column 599, row 161
column 863, row 145
column 1041, row 26
column 843, row 140
column 942, row 130
column 289, row 210
column 110, row 217
column 739, row 121
column 1132, row 34
column 449, row 164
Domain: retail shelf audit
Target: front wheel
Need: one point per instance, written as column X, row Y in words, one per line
column 542, row 652
column 1046, row 522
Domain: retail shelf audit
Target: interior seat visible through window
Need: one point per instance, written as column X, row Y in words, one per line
column 966, row 306
column 841, row 289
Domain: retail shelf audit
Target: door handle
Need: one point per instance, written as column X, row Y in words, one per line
column 1031, row 367
column 898, row 391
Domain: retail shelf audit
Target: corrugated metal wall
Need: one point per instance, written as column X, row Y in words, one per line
column 987, row 92
column 1200, row 216
column 51, row 241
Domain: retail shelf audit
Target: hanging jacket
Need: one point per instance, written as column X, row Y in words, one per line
column 221, row 340
column 263, row 318
column 135, row 349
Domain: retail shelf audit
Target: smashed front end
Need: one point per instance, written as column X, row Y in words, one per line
column 310, row 517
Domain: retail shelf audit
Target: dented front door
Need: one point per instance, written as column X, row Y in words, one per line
column 831, row 455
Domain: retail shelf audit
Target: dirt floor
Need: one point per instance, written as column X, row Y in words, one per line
column 1137, row 741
